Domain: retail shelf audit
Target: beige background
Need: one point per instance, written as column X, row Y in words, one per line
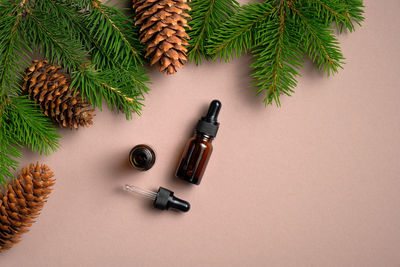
column 313, row 183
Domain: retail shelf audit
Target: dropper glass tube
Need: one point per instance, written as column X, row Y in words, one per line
column 147, row 193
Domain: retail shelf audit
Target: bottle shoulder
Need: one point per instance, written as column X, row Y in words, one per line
column 201, row 139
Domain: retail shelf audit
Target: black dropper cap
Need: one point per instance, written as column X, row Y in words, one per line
column 165, row 199
column 208, row 124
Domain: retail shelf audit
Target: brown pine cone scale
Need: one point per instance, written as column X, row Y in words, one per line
column 21, row 201
column 163, row 31
column 49, row 87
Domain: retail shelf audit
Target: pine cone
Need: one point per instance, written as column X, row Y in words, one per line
column 50, row 88
column 163, row 30
column 21, row 201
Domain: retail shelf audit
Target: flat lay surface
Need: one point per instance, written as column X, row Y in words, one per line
column 312, row 183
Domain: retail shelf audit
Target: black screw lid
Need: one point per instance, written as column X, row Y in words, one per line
column 208, row 124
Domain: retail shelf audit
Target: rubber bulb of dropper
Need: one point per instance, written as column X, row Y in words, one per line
column 213, row 111
column 179, row 204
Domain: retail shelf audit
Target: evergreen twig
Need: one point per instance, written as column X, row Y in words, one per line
column 11, row 53
column 277, row 58
column 278, row 33
column 319, row 42
column 237, row 35
column 206, row 17
column 27, row 125
column 8, row 154
column 115, row 51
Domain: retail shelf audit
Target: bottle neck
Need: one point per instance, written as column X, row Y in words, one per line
column 203, row 137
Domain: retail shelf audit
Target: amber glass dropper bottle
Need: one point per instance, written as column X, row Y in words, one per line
column 199, row 148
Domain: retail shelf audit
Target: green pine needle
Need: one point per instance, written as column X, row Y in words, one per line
column 13, row 48
column 8, row 154
column 206, row 16
column 318, row 41
column 344, row 13
column 278, row 33
column 277, row 57
column 116, row 54
column 11, row 44
column 238, row 33
column 30, row 126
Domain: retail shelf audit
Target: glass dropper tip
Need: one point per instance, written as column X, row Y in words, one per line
column 140, row 191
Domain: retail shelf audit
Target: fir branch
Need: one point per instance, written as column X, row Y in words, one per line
column 354, row 11
column 114, row 32
column 206, row 16
column 80, row 4
column 68, row 16
column 30, row 127
column 12, row 54
column 237, row 34
column 115, row 41
column 98, row 86
column 343, row 13
column 8, row 153
column 55, row 45
column 8, row 148
column 108, row 34
column 318, row 41
column 277, row 57
column 13, row 48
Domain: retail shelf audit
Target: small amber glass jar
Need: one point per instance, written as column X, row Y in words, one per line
column 142, row 157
